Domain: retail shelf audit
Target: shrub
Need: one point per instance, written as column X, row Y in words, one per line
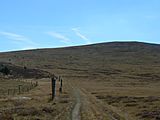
column 25, row 67
column 4, row 70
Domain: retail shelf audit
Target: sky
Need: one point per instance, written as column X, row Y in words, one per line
column 32, row 24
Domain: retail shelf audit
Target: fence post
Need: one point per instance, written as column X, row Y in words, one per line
column 19, row 88
column 8, row 91
column 61, row 82
column 31, row 85
column 53, row 83
column 59, row 77
column 36, row 83
column 60, row 89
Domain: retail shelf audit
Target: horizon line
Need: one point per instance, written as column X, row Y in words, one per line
column 59, row 47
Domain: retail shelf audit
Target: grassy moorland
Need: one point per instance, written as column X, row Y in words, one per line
column 118, row 79
column 35, row 104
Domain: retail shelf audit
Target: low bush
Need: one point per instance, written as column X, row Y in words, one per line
column 5, row 70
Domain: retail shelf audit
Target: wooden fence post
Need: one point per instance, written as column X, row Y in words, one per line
column 36, row 83
column 53, row 83
column 8, row 91
column 19, row 89
column 60, row 89
column 61, row 82
column 59, row 78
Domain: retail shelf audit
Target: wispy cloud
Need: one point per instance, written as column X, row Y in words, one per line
column 77, row 32
column 13, row 36
column 59, row 36
column 17, row 38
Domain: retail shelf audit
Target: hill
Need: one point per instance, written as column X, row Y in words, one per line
column 106, row 81
column 129, row 59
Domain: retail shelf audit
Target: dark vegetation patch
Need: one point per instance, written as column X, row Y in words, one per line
column 72, row 69
column 127, row 100
column 76, row 76
column 6, row 116
column 64, row 101
column 146, row 107
column 32, row 111
column 4, row 69
column 149, row 76
column 26, row 111
column 131, row 104
column 48, row 66
column 108, row 71
column 150, row 114
column 48, row 109
column 17, row 71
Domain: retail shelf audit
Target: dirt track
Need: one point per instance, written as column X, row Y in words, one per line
column 87, row 107
column 76, row 109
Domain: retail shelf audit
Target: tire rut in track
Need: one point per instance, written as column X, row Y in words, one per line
column 76, row 109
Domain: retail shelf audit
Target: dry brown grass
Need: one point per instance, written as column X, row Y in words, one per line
column 120, row 79
column 39, row 106
column 140, row 101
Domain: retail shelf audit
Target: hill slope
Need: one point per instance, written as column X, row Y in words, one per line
column 21, row 72
column 115, row 59
column 118, row 80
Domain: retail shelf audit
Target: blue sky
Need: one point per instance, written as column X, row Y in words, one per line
column 27, row 24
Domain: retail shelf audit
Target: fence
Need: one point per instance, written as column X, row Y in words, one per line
column 22, row 87
column 29, row 85
column 53, row 85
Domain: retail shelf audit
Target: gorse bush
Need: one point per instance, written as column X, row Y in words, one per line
column 25, row 67
column 5, row 70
